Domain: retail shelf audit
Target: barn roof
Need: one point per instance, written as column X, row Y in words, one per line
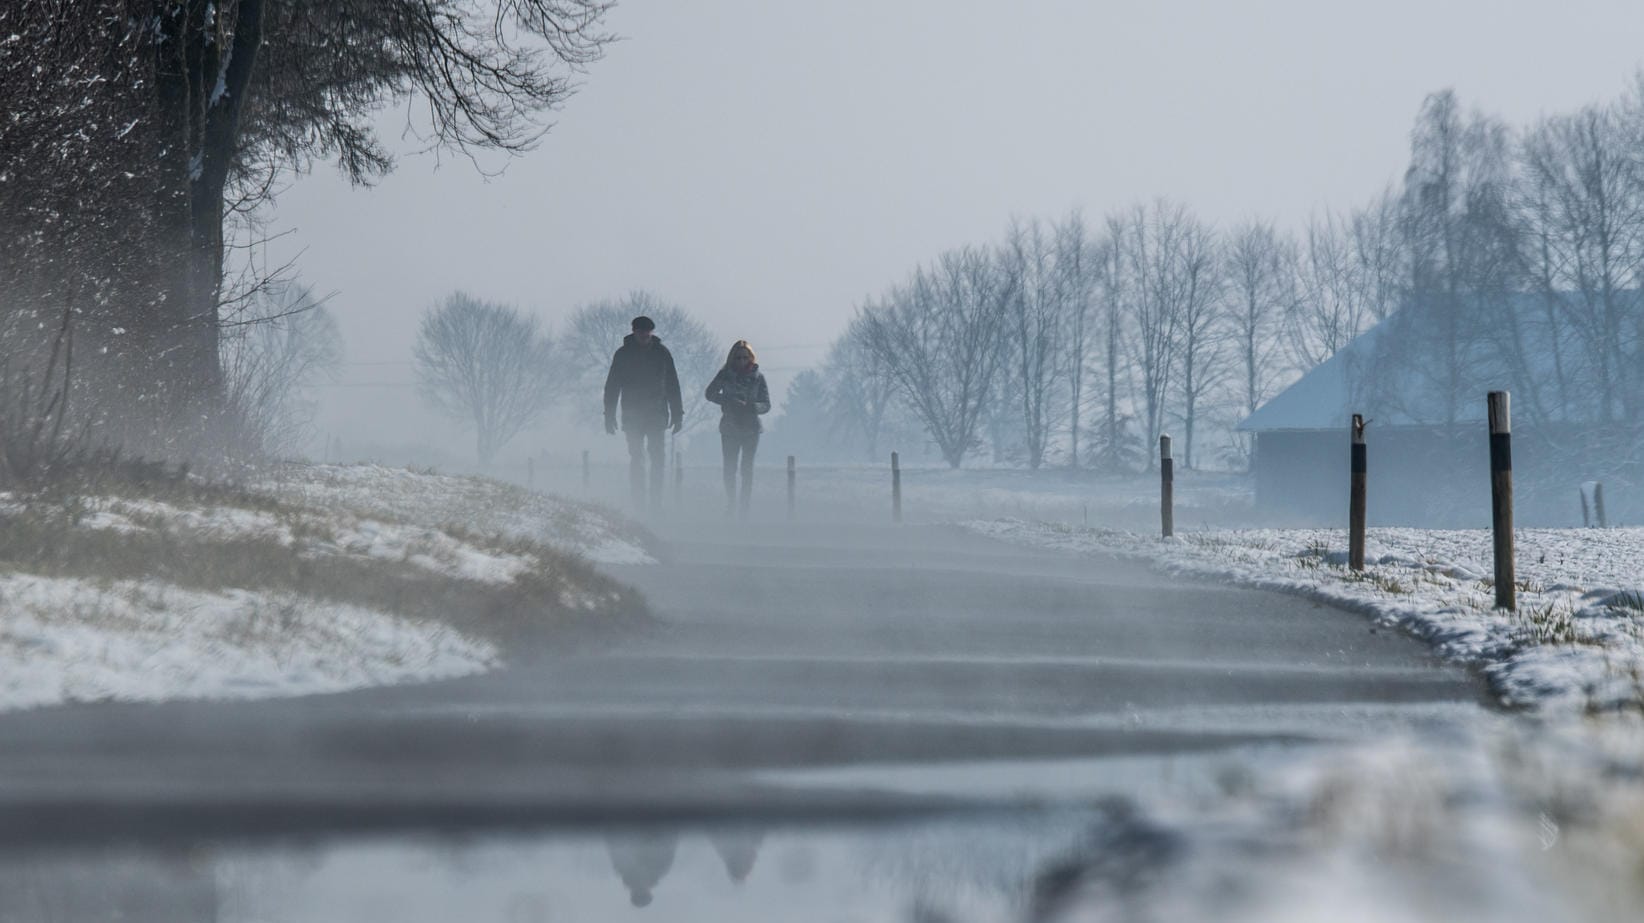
column 1320, row 399
column 1397, row 373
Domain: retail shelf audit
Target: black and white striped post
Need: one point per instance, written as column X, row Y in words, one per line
column 1167, row 489
column 1501, row 496
column 1357, row 502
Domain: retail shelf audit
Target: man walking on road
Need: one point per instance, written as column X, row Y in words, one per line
column 643, row 380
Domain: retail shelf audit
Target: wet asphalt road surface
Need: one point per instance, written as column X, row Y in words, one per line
column 780, row 652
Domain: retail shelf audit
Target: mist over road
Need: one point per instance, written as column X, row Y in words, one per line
column 782, row 649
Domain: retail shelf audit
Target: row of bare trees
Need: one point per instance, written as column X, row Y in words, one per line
column 1513, row 257
column 1080, row 343
column 497, row 369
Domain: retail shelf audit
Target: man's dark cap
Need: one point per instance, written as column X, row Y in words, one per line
column 644, row 323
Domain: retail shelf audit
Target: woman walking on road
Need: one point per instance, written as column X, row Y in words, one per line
column 742, row 395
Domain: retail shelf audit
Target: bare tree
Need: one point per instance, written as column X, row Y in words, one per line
column 1194, row 284
column 284, row 341
column 35, row 395
column 487, row 365
column 1036, row 319
column 1154, row 242
column 1260, row 268
column 939, row 335
column 1047, row 331
column 1115, row 293
column 1460, row 240
column 1380, row 256
column 1331, row 308
column 861, row 387
column 594, row 331
column 1584, row 211
column 1077, row 267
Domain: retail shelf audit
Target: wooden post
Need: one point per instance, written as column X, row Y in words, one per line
column 1586, row 514
column 1598, row 505
column 790, row 487
column 1167, row 488
column 896, row 488
column 586, row 474
column 1501, row 496
column 1356, row 504
column 530, row 471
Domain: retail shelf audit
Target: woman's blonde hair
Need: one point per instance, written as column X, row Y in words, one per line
column 730, row 357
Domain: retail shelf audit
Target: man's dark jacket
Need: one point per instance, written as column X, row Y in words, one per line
column 643, row 380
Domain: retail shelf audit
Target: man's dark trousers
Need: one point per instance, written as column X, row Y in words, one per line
column 643, row 445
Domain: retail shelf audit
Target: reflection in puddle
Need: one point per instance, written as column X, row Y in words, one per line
column 1395, row 833
column 958, row 870
column 641, row 860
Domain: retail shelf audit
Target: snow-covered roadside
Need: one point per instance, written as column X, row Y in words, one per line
column 1576, row 641
column 325, row 579
column 73, row 640
column 477, row 505
column 1495, row 821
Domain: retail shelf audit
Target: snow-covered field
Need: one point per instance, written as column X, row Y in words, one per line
column 287, row 588
column 1576, row 640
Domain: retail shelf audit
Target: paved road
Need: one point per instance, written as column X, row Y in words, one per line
column 779, row 649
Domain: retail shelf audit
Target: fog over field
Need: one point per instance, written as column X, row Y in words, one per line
column 771, row 171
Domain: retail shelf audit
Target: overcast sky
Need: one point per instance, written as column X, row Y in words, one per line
column 769, row 163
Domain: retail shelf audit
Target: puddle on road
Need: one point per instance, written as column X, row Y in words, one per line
column 1099, row 864
column 932, row 871
column 1508, row 828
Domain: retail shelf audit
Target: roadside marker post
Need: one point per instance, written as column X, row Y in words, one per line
column 1356, row 505
column 1167, row 488
column 1501, row 496
column 896, row 488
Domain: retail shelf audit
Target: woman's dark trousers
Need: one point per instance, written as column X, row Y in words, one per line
column 739, row 454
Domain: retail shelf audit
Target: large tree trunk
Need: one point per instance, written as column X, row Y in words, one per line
column 201, row 81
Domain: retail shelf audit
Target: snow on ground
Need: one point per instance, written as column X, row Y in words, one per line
column 83, row 627
column 67, row 639
column 1576, row 640
column 475, row 505
column 316, row 534
column 1500, row 821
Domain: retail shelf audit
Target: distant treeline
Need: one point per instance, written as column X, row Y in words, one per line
column 1077, row 342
